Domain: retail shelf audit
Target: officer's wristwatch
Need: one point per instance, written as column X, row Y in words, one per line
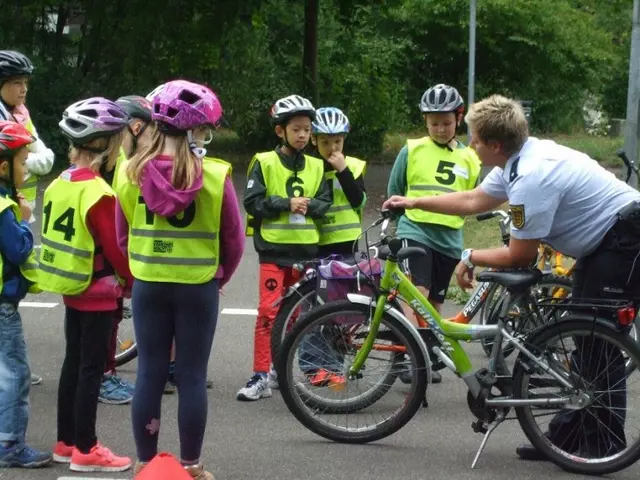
column 466, row 258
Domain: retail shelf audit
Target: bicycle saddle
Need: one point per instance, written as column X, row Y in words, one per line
column 515, row 280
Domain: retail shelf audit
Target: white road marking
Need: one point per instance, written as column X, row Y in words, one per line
column 88, row 478
column 37, row 246
column 38, row 304
column 239, row 311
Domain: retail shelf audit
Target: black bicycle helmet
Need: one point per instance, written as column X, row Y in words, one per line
column 136, row 107
column 14, row 64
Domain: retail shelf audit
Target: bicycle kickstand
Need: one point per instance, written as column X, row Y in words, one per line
column 492, row 426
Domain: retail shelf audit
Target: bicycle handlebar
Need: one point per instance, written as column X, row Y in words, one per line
column 631, row 166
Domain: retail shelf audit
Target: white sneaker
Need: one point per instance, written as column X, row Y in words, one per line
column 272, row 379
column 256, row 388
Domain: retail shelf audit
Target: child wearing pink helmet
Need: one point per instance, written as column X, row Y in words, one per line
column 179, row 221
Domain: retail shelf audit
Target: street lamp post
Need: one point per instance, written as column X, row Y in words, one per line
column 632, row 131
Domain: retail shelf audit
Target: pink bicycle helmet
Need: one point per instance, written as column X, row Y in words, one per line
column 185, row 105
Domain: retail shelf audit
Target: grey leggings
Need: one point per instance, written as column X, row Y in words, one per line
column 162, row 311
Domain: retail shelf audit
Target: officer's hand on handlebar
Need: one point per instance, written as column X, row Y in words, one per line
column 397, row 201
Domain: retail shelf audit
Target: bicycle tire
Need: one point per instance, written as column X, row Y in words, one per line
column 573, row 323
column 123, row 357
column 281, row 323
column 492, row 317
column 128, row 355
column 290, row 393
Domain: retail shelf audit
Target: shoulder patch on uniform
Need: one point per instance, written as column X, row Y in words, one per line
column 517, row 215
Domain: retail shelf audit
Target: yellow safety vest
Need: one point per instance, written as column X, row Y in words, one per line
column 433, row 170
column 184, row 248
column 289, row 228
column 122, row 158
column 30, row 187
column 29, row 268
column 68, row 248
column 342, row 223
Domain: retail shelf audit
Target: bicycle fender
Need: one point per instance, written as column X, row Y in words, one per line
column 398, row 315
column 292, row 289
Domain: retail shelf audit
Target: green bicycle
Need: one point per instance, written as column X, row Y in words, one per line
column 371, row 344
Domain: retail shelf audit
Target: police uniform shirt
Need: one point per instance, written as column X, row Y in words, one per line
column 559, row 195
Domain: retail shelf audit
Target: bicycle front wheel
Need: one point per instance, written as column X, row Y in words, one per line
column 358, row 409
column 593, row 433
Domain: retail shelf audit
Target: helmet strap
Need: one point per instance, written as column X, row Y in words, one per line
column 197, row 151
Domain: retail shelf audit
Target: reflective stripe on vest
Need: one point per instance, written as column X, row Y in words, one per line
column 342, row 223
column 433, row 170
column 29, row 269
column 30, row 188
column 289, row 228
column 179, row 249
column 68, row 248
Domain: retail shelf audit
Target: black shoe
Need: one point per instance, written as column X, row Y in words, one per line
column 529, row 452
column 436, row 377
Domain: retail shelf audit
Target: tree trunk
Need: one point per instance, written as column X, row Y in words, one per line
column 310, row 54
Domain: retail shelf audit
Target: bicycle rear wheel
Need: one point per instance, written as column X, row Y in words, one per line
column 341, row 412
column 297, row 304
column 521, row 319
column 589, row 435
column 126, row 346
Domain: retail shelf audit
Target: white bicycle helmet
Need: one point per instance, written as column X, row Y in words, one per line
column 92, row 118
column 290, row 106
column 330, row 121
column 441, row 98
column 152, row 94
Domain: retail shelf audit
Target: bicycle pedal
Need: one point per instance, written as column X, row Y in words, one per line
column 478, row 427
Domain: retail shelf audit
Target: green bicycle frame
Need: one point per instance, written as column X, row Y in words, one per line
column 448, row 335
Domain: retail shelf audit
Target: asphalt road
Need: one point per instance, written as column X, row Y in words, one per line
column 262, row 439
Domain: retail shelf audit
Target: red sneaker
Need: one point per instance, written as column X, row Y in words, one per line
column 99, row 459
column 62, row 453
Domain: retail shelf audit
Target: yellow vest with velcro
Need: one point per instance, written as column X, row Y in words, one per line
column 184, row 248
column 342, row 223
column 30, row 188
column 433, row 170
column 29, row 269
column 68, row 248
column 289, row 228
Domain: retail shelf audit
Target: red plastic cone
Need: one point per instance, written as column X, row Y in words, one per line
column 164, row 466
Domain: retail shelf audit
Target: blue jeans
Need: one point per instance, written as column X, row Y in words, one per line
column 317, row 352
column 15, row 376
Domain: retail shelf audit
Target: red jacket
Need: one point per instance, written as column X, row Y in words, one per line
column 104, row 290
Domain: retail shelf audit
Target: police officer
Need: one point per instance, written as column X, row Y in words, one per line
column 558, row 196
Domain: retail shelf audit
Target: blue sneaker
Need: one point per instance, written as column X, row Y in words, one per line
column 113, row 391
column 23, row 456
column 131, row 387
